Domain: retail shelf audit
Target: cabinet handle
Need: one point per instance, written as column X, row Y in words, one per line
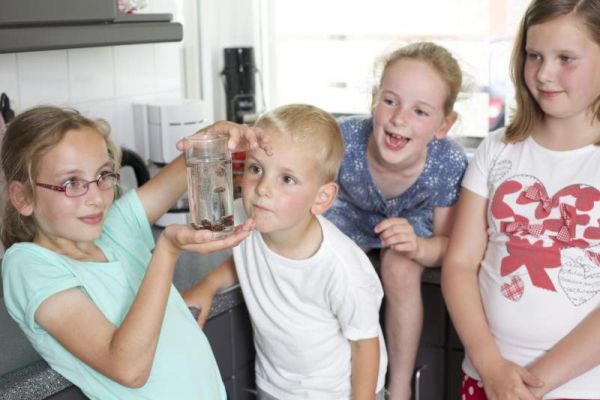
column 418, row 373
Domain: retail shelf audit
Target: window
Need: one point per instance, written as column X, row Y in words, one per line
column 323, row 52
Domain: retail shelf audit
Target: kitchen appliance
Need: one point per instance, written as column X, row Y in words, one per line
column 240, row 87
column 134, row 172
column 158, row 127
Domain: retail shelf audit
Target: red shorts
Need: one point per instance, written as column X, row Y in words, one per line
column 472, row 389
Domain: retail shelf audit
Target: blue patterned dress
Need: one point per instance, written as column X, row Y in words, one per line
column 360, row 205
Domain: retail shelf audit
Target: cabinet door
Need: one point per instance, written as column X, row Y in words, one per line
column 434, row 316
column 429, row 379
column 218, row 332
column 455, row 358
column 243, row 343
column 244, row 383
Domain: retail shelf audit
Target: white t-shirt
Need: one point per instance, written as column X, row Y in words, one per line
column 305, row 312
column 540, row 275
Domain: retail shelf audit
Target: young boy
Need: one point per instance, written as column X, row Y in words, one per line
column 312, row 294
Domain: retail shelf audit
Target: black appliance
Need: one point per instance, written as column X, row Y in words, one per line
column 240, row 87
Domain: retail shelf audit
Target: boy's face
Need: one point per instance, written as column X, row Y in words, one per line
column 279, row 191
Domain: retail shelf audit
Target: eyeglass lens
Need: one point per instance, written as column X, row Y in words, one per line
column 79, row 188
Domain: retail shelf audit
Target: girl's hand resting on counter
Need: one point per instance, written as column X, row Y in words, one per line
column 201, row 297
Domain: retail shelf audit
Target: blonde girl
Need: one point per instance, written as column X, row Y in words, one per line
column 82, row 275
column 398, row 183
column 521, row 274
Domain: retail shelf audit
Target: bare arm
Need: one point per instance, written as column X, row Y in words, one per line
column 365, row 368
column 202, row 293
column 399, row 235
column 125, row 353
column 573, row 355
column 460, row 287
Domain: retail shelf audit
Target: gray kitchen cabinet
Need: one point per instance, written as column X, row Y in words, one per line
column 230, row 336
column 438, row 365
column 32, row 25
column 219, row 332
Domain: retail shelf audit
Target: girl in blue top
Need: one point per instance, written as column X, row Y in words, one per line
column 399, row 180
column 82, row 275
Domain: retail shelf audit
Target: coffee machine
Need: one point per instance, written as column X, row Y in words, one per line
column 239, row 74
column 158, row 127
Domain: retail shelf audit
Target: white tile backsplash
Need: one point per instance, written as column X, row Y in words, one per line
column 43, row 78
column 122, row 128
column 134, row 70
column 101, row 82
column 91, row 74
column 8, row 78
column 168, row 66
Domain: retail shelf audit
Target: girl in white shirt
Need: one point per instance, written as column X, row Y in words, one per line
column 522, row 273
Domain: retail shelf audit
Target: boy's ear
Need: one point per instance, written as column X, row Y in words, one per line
column 325, row 198
column 449, row 120
column 20, row 198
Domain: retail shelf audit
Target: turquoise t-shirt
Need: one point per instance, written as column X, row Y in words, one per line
column 184, row 366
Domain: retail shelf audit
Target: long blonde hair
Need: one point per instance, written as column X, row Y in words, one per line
column 28, row 137
column 527, row 111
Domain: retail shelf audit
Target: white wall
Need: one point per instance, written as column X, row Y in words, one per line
column 101, row 82
column 226, row 23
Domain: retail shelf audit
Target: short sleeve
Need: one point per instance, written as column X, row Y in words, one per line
column 127, row 220
column 450, row 163
column 357, row 305
column 476, row 176
column 30, row 276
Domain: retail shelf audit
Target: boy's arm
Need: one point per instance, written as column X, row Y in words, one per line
column 573, row 355
column 202, row 293
column 399, row 235
column 365, row 368
column 460, row 287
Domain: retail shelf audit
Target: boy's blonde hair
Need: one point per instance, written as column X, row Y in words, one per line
column 312, row 128
column 437, row 57
column 527, row 110
column 28, row 137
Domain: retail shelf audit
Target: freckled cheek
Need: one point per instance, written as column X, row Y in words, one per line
column 247, row 183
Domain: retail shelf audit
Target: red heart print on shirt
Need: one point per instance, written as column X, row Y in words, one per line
column 513, row 290
column 540, row 226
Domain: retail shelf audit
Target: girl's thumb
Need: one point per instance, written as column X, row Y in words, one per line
column 530, row 379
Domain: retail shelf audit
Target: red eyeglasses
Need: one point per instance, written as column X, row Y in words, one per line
column 78, row 187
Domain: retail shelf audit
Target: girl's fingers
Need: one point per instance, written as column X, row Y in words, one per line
column 530, row 379
column 203, row 316
column 390, row 223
